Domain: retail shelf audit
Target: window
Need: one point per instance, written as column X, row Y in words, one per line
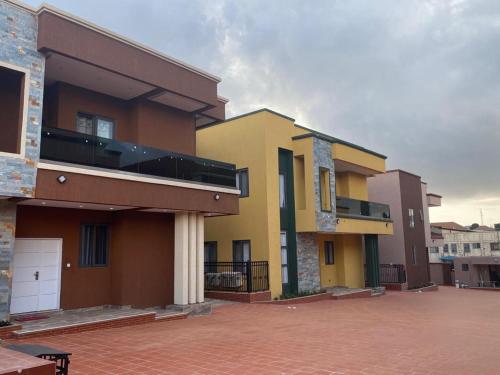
column 411, row 214
column 211, row 256
column 453, row 247
column 95, row 125
column 465, row 267
column 421, row 216
column 476, row 245
column 94, row 245
column 242, row 182
column 466, row 247
column 495, row 246
column 434, row 250
column 414, row 255
column 329, row 253
column 445, row 248
column 241, row 251
column 282, row 190
column 284, row 257
column 12, row 99
column 324, row 189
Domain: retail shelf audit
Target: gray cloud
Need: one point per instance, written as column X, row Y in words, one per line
column 416, row 80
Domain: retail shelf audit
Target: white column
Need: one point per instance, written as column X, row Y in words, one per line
column 192, row 258
column 200, row 259
column 181, row 259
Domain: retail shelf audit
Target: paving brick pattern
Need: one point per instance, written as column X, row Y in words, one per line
column 446, row 332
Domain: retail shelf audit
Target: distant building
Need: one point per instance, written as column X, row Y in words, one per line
column 460, row 241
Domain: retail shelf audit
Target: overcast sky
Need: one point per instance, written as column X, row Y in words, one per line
column 418, row 81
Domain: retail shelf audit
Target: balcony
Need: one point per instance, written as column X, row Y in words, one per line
column 436, row 233
column 76, row 148
column 353, row 208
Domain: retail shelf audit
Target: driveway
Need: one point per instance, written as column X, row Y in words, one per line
column 446, row 332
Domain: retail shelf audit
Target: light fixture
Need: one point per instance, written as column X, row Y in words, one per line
column 61, row 179
column 81, row 206
column 338, row 221
column 216, row 196
column 44, row 203
column 111, row 208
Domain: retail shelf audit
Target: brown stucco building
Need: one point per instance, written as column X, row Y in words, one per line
column 113, row 209
column 406, row 250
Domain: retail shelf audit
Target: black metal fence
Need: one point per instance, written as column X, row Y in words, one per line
column 237, row 276
column 392, row 274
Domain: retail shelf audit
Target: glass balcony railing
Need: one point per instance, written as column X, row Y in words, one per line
column 72, row 147
column 354, row 207
column 436, row 232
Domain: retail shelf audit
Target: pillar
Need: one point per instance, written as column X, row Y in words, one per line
column 192, row 258
column 181, row 259
column 200, row 259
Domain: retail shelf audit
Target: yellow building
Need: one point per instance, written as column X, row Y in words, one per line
column 303, row 205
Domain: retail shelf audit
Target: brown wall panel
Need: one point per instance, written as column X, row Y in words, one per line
column 71, row 39
column 141, row 122
column 92, row 189
column 142, row 259
column 411, row 197
column 140, row 268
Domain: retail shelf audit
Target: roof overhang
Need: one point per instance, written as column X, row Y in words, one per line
column 84, row 55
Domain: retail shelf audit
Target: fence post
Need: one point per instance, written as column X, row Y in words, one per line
column 249, row 277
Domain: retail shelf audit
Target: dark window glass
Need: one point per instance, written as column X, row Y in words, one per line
column 453, row 247
column 242, row 182
column 465, row 267
column 445, row 248
column 11, row 109
column 466, row 247
column 495, row 246
column 95, row 125
column 329, row 252
column 211, row 255
column 414, row 255
column 241, row 253
column 476, row 245
column 94, row 245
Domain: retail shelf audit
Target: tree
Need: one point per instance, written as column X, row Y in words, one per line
column 474, row 226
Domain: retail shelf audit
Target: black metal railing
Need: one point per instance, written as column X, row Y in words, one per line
column 72, row 147
column 355, row 207
column 237, row 276
column 392, row 273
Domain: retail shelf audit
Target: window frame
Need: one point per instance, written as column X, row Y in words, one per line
column 23, row 113
column 414, row 255
column 474, row 245
column 467, row 247
column 107, row 254
column 329, row 207
column 284, row 190
column 238, row 182
column 465, row 267
column 284, row 265
column 249, row 250
column 446, row 248
column 454, row 245
column 329, row 260
column 494, row 246
column 411, row 216
column 95, row 119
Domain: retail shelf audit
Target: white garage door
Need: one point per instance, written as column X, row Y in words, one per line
column 36, row 280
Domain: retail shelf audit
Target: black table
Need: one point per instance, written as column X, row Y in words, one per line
column 60, row 357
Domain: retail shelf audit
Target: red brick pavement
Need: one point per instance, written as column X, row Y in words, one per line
column 446, row 332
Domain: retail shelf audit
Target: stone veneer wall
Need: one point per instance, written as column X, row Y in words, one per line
column 308, row 262
column 7, row 235
column 18, row 47
column 325, row 221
